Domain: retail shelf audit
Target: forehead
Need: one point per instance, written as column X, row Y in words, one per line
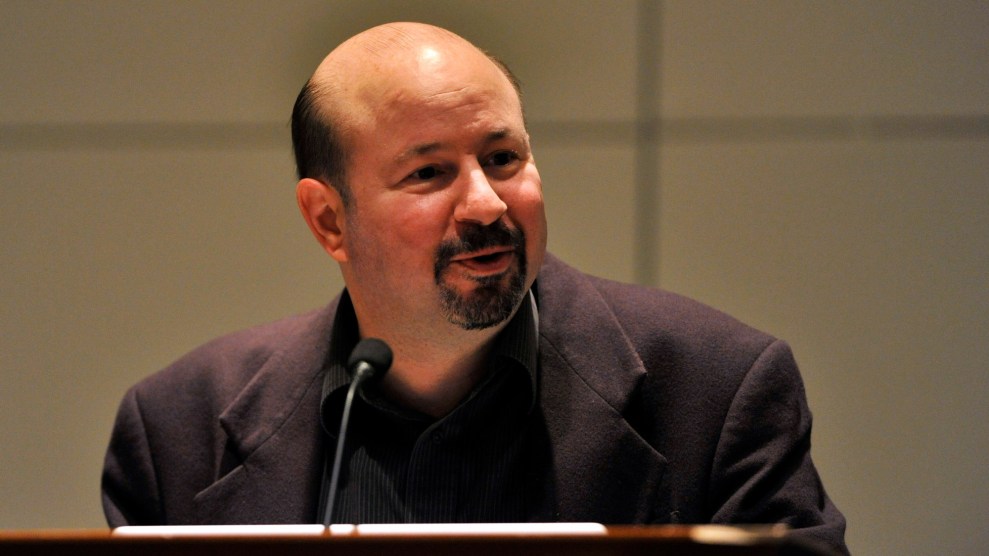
column 432, row 79
column 461, row 104
column 424, row 100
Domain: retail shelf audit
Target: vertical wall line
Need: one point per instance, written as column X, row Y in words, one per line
column 647, row 139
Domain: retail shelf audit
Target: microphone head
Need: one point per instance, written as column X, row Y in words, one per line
column 373, row 352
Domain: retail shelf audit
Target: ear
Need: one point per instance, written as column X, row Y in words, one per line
column 322, row 209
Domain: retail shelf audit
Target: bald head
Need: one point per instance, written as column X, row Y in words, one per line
column 367, row 70
column 385, row 46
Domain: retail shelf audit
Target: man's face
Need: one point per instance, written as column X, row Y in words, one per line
column 447, row 220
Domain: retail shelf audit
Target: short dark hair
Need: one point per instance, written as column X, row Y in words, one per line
column 516, row 84
column 319, row 151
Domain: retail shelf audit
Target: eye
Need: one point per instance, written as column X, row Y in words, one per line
column 502, row 158
column 424, row 174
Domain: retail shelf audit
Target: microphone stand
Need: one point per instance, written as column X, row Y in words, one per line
column 371, row 358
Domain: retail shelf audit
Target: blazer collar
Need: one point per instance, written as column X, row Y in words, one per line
column 273, row 432
column 582, row 328
column 603, row 470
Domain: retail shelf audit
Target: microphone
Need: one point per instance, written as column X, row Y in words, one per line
column 370, row 359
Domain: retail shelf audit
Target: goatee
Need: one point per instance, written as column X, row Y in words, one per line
column 495, row 297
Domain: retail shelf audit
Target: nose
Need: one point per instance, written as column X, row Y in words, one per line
column 480, row 203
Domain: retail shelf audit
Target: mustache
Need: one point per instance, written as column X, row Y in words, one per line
column 476, row 237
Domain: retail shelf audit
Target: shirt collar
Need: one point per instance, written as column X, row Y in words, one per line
column 519, row 341
column 343, row 338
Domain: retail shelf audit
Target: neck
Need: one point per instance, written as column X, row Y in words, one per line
column 433, row 375
column 436, row 363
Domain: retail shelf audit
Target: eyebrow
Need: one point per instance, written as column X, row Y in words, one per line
column 426, row 148
column 418, row 150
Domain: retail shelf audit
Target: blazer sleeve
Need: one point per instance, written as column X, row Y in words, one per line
column 129, row 483
column 763, row 472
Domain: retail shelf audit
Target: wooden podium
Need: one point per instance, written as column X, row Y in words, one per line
column 701, row 540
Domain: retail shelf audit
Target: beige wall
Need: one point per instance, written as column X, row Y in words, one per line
column 820, row 170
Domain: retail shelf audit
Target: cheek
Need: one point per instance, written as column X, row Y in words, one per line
column 416, row 223
column 532, row 219
column 526, row 205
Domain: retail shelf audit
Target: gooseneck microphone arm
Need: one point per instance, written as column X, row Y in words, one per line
column 370, row 360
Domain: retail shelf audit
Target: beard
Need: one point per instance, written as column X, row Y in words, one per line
column 495, row 298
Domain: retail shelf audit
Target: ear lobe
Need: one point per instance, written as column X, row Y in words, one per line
column 322, row 209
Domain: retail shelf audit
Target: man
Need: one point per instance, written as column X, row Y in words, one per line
column 521, row 389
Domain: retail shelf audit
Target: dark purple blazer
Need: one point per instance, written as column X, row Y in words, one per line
column 652, row 409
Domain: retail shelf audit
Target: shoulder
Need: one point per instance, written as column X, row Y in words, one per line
column 651, row 351
column 215, row 372
column 655, row 321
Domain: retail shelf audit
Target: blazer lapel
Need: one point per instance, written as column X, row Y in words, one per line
column 274, row 446
column 603, row 470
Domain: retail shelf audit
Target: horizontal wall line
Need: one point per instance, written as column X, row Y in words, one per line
column 142, row 136
column 877, row 128
column 764, row 129
column 228, row 135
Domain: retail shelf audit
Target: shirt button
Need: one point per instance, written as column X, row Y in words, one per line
column 438, row 437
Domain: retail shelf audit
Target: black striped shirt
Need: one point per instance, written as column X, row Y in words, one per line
column 468, row 466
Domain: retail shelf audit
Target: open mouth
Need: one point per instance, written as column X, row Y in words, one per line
column 488, row 261
column 481, row 254
column 489, row 258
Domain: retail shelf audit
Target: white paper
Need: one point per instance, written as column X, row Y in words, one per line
column 460, row 529
column 168, row 531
